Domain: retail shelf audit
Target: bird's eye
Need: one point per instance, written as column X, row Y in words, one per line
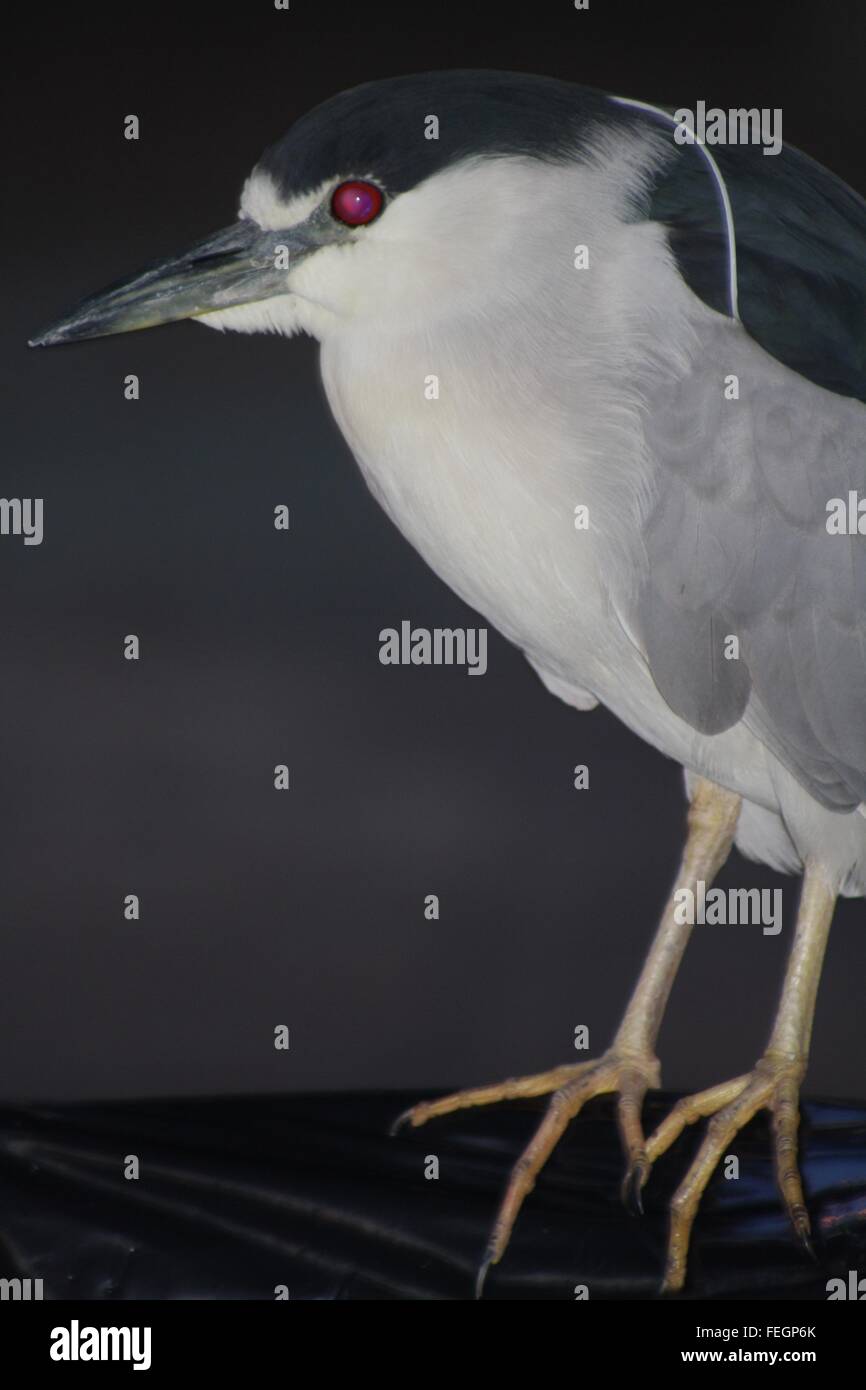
column 356, row 202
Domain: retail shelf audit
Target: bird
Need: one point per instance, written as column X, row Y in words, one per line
column 651, row 405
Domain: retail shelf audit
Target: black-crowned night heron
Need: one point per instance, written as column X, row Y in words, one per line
column 670, row 338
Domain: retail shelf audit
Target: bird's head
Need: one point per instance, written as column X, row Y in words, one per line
column 403, row 198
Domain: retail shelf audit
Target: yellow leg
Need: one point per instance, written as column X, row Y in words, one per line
column 774, row 1084
column 629, row 1067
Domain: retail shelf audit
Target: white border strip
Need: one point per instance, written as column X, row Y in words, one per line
column 733, row 294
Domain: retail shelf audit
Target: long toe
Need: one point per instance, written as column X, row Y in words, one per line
column 773, row 1085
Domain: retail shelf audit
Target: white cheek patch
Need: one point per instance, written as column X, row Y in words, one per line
column 279, row 314
column 261, row 202
column 286, row 314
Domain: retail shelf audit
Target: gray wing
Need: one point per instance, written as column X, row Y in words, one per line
column 735, row 535
column 737, row 545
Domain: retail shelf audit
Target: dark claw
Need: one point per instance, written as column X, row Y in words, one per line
column 400, row 1121
column 481, row 1277
column 632, row 1188
column 806, row 1242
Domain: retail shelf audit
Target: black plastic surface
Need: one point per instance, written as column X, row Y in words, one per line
column 238, row 1196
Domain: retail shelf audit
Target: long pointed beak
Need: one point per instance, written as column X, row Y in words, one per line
column 237, row 265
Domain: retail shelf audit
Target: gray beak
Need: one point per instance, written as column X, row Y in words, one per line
column 238, row 265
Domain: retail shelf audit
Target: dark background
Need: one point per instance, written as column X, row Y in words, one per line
column 306, row 908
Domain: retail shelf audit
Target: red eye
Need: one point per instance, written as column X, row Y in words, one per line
column 356, row 202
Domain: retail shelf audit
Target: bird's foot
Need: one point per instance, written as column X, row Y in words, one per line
column 774, row 1084
column 630, row 1074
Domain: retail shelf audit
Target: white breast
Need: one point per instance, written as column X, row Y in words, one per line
column 473, row 477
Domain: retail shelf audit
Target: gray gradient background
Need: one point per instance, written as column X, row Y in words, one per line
column 258, row 648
